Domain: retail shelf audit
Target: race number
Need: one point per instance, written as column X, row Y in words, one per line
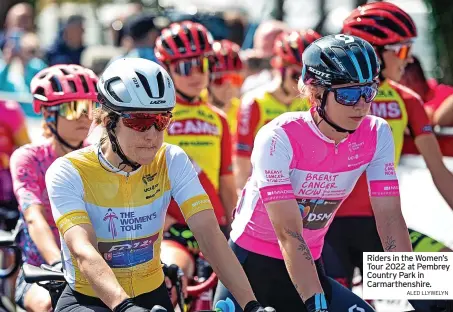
column 345, row 38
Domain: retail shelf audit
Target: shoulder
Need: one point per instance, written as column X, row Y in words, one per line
column 288, row 118
column 32, row 152
column 216, row 110
column 252, row 98
column 408, row 95
column 373, row 123
column 61, row 171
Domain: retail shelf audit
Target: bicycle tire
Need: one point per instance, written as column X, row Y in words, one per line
column 5, row 273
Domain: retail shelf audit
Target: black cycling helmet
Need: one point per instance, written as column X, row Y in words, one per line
column 335, row 60
column 339, row 59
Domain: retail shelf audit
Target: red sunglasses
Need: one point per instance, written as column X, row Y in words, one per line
column 186, row 67
column 142, row 122
column 235, row 79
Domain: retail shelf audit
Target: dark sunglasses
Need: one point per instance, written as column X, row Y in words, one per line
column 142, row 122
column 350, row 96
column 186, row 67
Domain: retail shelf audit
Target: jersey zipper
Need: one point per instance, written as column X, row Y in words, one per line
column 129, row 234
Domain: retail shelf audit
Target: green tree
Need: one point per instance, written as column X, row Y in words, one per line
column 442, row 28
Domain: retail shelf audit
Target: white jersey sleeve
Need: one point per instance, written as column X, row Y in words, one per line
column 66, row 195
column 381, row 175
column 186, row 188
column 271, row 159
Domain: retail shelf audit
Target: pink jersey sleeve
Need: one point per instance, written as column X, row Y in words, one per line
column 271, row 159
column 28, row 181
column 382, row 179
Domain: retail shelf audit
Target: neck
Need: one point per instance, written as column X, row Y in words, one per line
column 60, row 149
column 280, row 95
column 112, row 157
column 327, row 130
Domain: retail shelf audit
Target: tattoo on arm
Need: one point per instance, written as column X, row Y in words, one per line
column 390, row 243
column 303, row 245
column 300, row 294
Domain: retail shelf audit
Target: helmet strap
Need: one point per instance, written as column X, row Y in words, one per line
column 52, row 122
column 322, row 113
column 111, row 125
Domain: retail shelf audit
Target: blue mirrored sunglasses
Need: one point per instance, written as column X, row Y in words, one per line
column 349, row 96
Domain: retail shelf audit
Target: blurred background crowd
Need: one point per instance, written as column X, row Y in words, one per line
column 39, row 33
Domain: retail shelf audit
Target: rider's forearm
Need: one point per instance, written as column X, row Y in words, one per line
column 223, row 261
column 393, row 232
column 42, row 236
column 228, row 195
column 99, row 275
column 242, row 168
column 299, row 263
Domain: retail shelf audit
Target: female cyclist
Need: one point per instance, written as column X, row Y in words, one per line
column 304, row 165
column 185, row 50
column 355, row 228
column 65, row 95
column 109, row 200
column 264, row 104
column 226, row 80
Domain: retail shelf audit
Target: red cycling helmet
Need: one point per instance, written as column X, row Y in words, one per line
column 226, row 57
column 289, row 46
column 380, row 23
column 183, row 40
column 62, row 83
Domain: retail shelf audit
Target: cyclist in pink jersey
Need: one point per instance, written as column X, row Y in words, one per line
column 304, row 165
column 65, row 95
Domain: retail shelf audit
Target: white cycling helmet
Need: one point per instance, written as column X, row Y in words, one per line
column 136, row 84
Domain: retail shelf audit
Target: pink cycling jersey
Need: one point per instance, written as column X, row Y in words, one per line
column 292, row 159
column 29, row 164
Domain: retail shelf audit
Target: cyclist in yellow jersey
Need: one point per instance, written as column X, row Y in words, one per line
column 201, row 130
column 109, row 200
column 226, row 80
column 261, row 105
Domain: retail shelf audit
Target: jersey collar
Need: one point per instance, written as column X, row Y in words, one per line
column 108, row 166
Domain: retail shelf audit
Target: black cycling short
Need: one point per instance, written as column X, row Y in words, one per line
column 273, row 287
column 72, row 301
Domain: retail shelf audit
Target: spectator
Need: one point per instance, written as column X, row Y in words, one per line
column 68, row 47
column 437, row 98
column 20, row 18
column 142, row 32
column 257, row 60
column 19, row 64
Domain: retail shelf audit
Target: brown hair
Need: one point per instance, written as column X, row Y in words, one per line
column 313, row 93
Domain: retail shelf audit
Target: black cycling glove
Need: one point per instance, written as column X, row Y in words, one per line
column 128, row 306
column 317, row 303
column 255, row 306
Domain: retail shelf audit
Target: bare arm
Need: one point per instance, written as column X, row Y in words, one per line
column 81, row 240
column 228, row 195
column 215, row 248
column 287, row 221
column 41, row 234
column 390, row 224
column 443, row 179
column 242, row 170
column 443, row 116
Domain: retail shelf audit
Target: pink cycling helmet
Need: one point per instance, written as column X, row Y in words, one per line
column 62, row 83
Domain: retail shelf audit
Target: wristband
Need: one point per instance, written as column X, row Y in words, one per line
column 126, row 303
column 251, row 306
column 316, row 303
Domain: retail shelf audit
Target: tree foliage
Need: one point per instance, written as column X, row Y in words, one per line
column 442, row 30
